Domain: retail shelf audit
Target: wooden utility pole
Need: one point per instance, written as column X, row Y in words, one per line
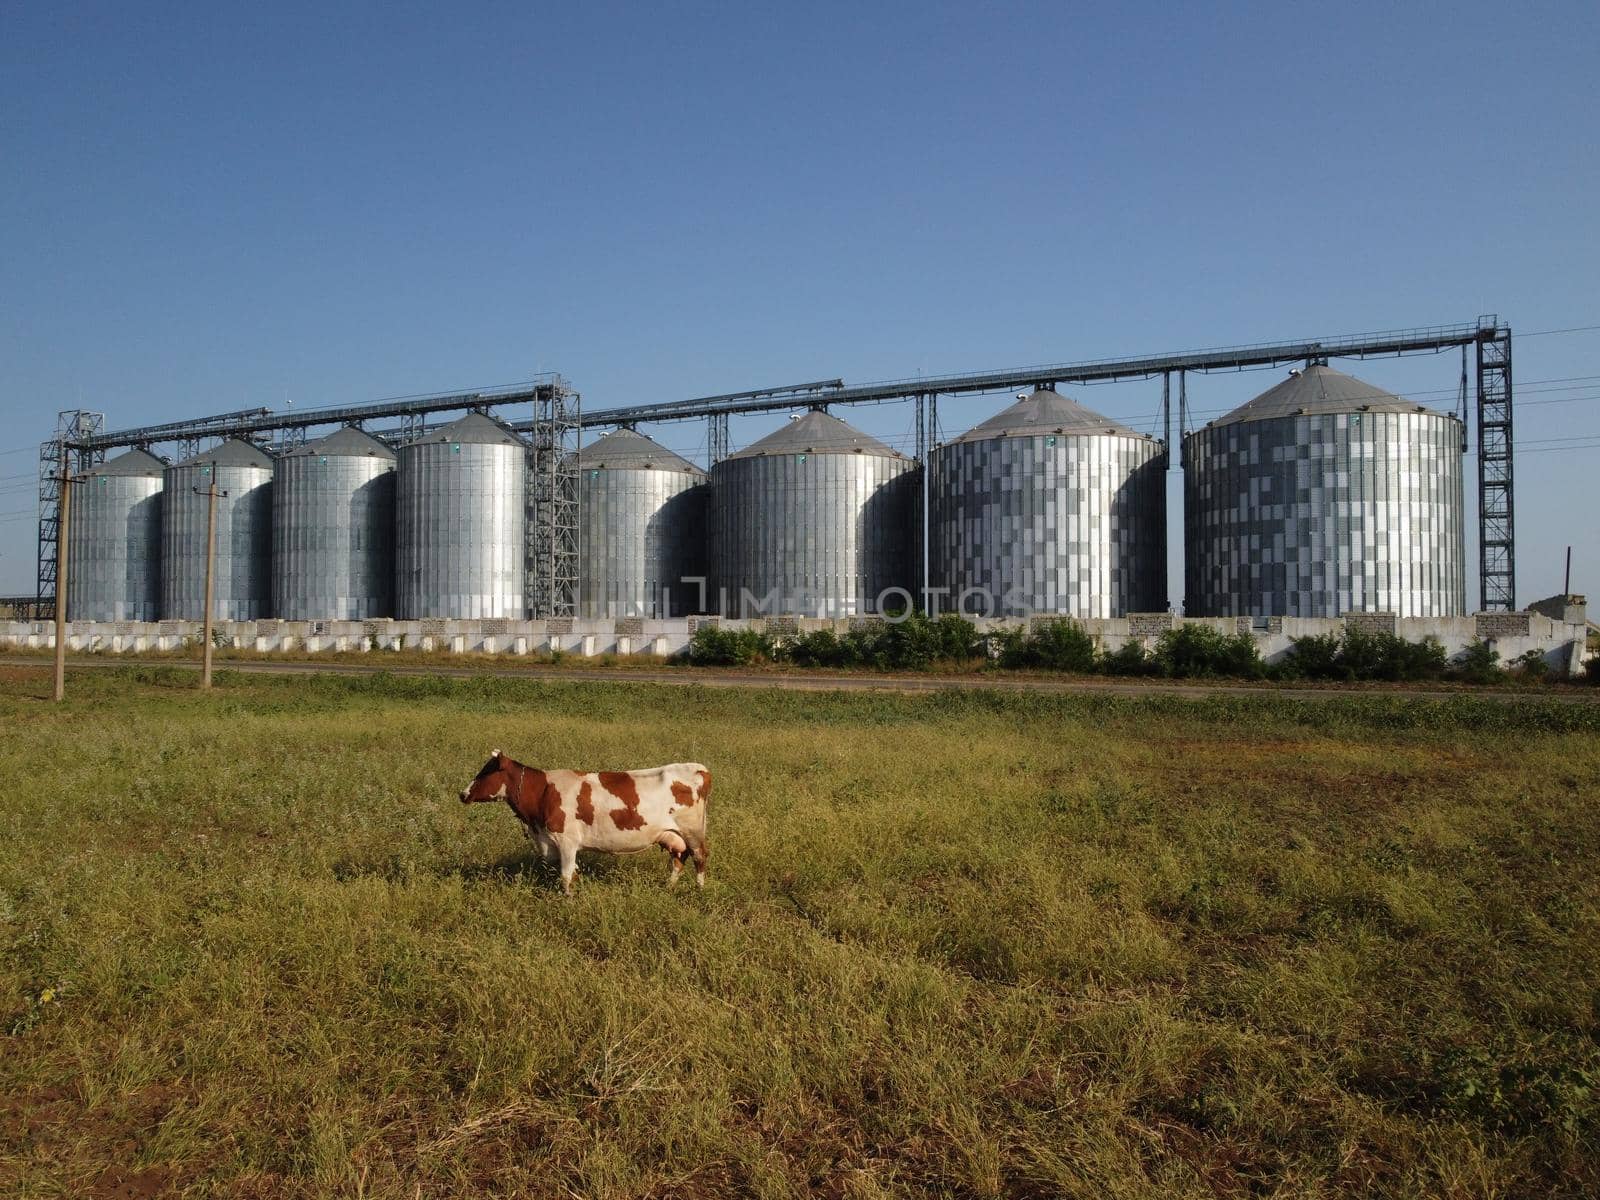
column 62, row 541
column 211, row 556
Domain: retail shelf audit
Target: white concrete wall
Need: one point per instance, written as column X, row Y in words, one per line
column 1560, row 642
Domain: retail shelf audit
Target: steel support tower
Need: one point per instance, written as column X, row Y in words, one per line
column 1497, row 547
column 553, row 529
column 73, row 428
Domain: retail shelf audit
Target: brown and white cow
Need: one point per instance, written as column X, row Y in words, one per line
column 616, row 811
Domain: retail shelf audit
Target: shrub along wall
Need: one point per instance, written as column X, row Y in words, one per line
column 1189, row 651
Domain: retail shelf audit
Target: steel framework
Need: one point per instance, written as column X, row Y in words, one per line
column 1492, row 340
column 552, row 525
column 1497, row 549
column 1427, row 340
column 66, row 450
column 557, row 420
column 85, row 434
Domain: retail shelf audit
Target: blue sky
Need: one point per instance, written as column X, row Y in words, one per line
column 205, row 208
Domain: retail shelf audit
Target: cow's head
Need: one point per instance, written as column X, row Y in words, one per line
column 493, row 782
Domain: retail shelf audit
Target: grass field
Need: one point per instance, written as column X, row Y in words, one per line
column 957, row 944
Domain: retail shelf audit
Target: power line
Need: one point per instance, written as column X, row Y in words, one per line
column 1570, row 329
column 1556, row 449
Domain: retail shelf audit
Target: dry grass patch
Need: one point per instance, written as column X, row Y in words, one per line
column 956, row 944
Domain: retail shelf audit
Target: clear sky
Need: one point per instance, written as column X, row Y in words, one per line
column 209, row 207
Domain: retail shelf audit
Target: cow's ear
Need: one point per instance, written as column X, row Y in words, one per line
column 495, row 754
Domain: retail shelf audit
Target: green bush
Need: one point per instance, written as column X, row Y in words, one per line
column 1054, row 645
column 1531, row 665
column 821, row 648
column 712, row 646
column 1315, row 657
column 912, row 643
column 915, row 642
column 1419, row 660
column 1130, row 660
column 958, row 638
column 1479, row 663
column 864, row 646
column 1008, row 647
column 1061, row 646
column 1197, row 650
column 1362, row 655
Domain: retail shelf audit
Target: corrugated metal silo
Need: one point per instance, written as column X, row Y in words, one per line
column 1049, row 507
column 815, row 519
column 460, row 499
column 114, row 541
column 643, row 528
column 333, row 529
column 242, row 590
column 1325, row 495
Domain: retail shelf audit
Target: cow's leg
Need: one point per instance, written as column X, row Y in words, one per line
column 569, row 865
column 701, row 853
column 675, row 846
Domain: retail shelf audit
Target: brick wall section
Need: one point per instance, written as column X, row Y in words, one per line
column 1046, row 622
column 1262, row 627
column 559, row 625
column 703, row 623
column 630, row 626
column 1502, row 625
column 1370, row 622
column 1149, row 625
column 783, row 626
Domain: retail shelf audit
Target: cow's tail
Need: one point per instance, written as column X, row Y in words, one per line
column 703, row 793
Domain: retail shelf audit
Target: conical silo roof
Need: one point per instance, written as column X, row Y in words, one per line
column 474, row 429
column 234, row 452
column 1317, row 391
column 134, row 462
column 816, row 432
column 348, row 442
column 1043, row 412
column 628, row 450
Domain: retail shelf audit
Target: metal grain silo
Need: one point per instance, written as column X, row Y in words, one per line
column 1048, row 507
column 460, row 497
column 333, row 529
column 114, row 541
column 243, row 574
column 815, row 519
column 1324, row 495
column 643, row 520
